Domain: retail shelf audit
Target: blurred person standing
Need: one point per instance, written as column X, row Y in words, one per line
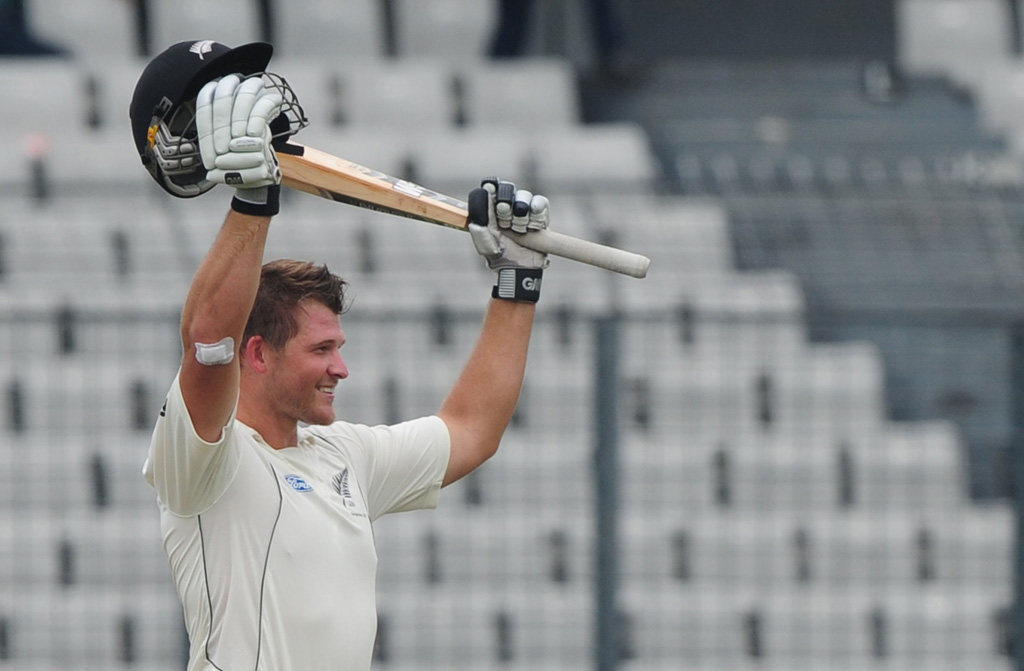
column 512, row 29
column 16, row 38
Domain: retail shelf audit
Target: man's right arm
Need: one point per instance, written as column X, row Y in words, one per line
column 217, row 307
column 224, row 287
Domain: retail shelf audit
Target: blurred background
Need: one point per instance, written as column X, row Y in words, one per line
column 795, row 445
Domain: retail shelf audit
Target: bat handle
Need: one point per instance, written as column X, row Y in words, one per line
column 585, row 251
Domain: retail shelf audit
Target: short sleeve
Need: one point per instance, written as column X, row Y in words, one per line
column 400, row 467
column 188, row 473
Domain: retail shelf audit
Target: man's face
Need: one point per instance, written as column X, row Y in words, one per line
column 303, row 374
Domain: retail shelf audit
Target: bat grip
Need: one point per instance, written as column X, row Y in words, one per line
column 585, row 251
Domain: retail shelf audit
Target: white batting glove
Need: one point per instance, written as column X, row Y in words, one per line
column 233, row 123
column 498, row 214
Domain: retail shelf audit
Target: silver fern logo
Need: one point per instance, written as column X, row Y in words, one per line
column 202, row 48
column 342, row 486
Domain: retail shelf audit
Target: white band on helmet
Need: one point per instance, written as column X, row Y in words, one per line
column 217, row 354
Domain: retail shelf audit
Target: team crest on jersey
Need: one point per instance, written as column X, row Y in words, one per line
column 298, row 484
column 343, row 486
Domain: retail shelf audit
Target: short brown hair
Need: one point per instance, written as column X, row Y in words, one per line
column 284, row 284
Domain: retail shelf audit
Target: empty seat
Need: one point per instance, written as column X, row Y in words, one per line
column 560, row 663
column 781, row 477
column 918, row 466
column 401, row 251
column 673, row 475
column 699, row 399
column 86, row 547
column 56, row 253
column 728, row 551
column 687, row 624
column 82, row 399
column 110, row 86
column 726, row 391
column 94, row 250
column 30, row 554
column 454, row 162
column 1000, row 98
column 838, row 388
column 528, row 472
column 28, row 331
column 485, row 547
column 95, row 627
column 95, row 31
column 321, row 231
column 817, row 626
column 235, row 22
column 106, row 327
column 46, row 481
column 686, row 238
column 969, row 547
column 403, row 96
column 554, row 402
column 758, row 312
column 120, row 549
column 494, row 93
column 43, row 94
column 65, row 629
column 944, row 625
column 99, row 473
column 563, row 334
column 744, row 317
column 456, row 30
column 594, row 159
column 88, row 163
column 329, row 30
column 854, row 549
column 814, row 627
column 458, row 628
column 958, row 38
column 790, row 470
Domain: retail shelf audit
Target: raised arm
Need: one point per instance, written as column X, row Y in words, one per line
column 480, row 405
column 224, row 287
column 216, row 309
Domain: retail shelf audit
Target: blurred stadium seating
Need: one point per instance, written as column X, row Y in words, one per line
column 787, row 499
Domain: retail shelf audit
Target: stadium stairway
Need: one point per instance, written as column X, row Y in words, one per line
column 899, row 212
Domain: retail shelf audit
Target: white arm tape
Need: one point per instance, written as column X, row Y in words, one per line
column 217, row 354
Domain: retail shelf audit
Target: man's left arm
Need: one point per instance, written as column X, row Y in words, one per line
column 483, row 400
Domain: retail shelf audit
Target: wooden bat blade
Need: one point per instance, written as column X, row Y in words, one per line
column 328, row 176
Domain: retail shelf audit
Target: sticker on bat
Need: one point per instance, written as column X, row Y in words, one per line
column 406, row 187
column 384, row 209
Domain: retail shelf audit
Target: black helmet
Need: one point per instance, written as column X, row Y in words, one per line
column 163, row 107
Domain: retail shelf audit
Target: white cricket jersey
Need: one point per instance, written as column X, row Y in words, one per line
column 272, row 550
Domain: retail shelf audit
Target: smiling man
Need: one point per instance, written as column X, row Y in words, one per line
column 266, row 501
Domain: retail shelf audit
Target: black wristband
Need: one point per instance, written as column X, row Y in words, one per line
column 518, row 284
column 267, row 209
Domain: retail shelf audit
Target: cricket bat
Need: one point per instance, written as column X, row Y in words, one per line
column 328, row 176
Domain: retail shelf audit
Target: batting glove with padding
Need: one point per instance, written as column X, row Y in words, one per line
column 233, row 118
column 498, row 214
